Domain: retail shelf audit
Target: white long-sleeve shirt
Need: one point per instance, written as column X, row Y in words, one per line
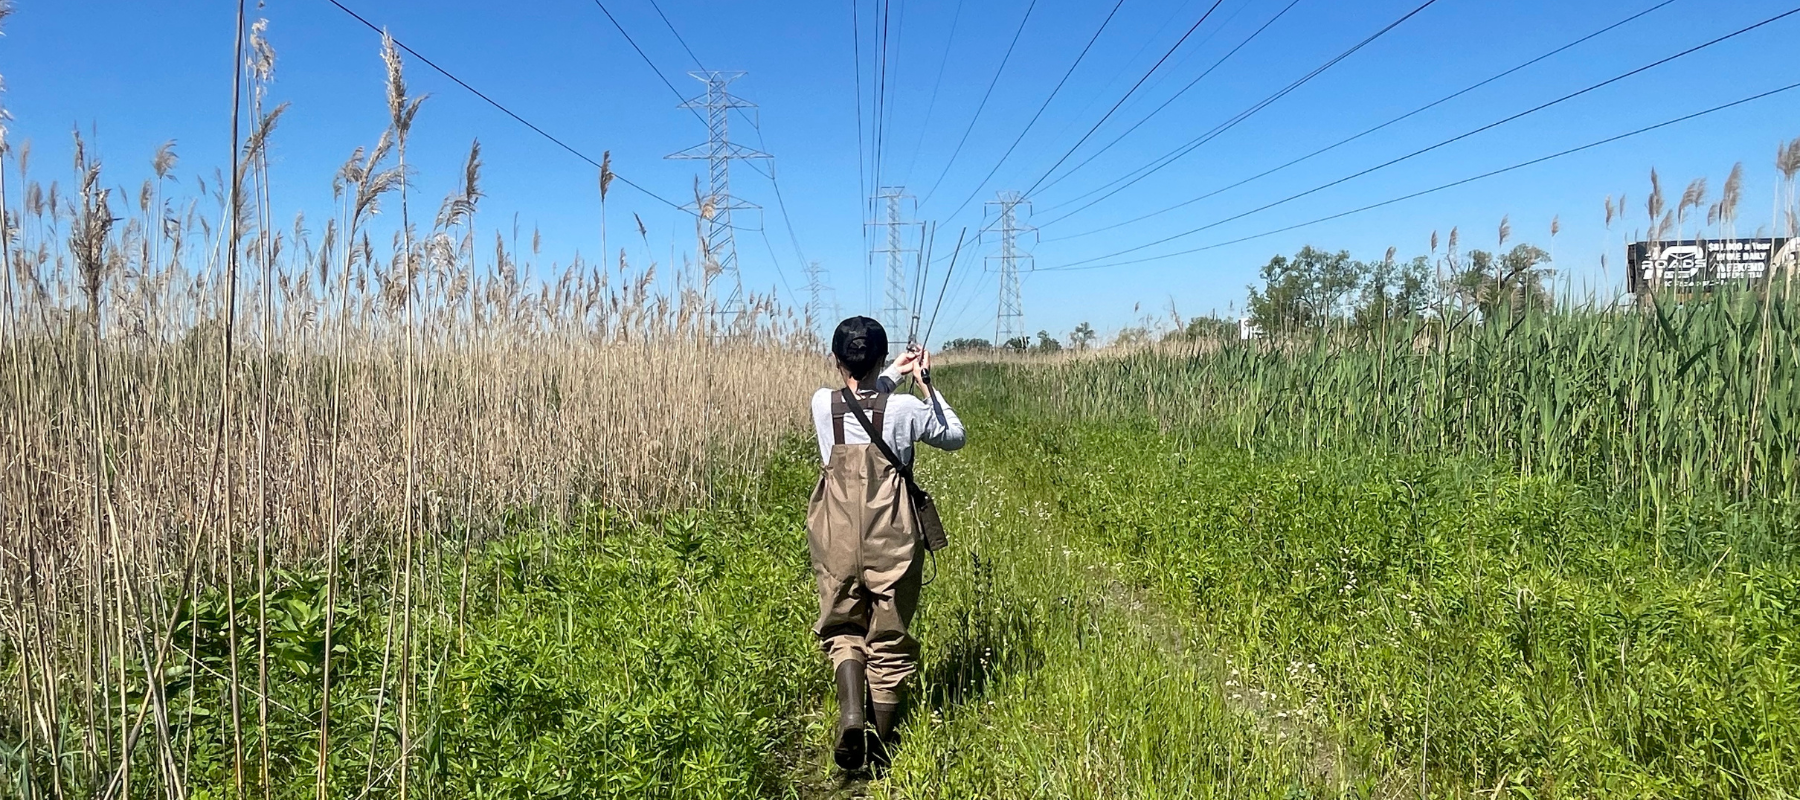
column 907, row 420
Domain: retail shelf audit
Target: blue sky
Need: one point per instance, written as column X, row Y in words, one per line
column 137, row 74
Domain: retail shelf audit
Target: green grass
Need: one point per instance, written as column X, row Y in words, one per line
column 601, row 658
column 1443, row 614
column 1684, row 401
column 606, row 659
column 1046, row 676
column 671, row 662
column 1134, row 605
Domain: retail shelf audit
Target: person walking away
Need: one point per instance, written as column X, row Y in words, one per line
column 865, row 540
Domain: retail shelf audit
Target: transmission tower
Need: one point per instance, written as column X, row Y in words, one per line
column 1009, row 322
column 896, row 308
column 718, row 256
column 815, row 289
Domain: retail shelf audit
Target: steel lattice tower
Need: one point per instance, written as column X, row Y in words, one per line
column 1009, row 321
column 815, row 288
column 896, row 308
column 718, row 246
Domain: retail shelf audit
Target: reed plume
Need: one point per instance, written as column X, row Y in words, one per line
column 207, row 533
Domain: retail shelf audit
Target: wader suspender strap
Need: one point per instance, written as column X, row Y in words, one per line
column 873, row 428
column 931, row 525
column 877, row 408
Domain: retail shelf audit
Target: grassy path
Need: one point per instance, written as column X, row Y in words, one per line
column 1048, row 676
column 1120, row 592
column 1427, row 625
column 1117, row 598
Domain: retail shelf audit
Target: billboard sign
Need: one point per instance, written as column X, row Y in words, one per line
column 1698, row 264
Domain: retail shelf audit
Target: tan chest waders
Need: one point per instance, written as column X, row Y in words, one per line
column 867, row 549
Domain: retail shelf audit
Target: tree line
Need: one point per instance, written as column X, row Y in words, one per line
column 1079, row 339
column 1317, row 289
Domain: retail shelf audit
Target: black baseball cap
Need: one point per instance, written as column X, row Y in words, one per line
column 859, row 342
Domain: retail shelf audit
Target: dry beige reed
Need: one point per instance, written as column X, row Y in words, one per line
column 197, row 396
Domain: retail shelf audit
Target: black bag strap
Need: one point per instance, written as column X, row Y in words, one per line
column 874, row 432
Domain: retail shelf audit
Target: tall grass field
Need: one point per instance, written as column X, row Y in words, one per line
column 1548, row 557
column 387, row 503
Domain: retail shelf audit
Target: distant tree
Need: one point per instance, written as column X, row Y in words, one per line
column 1524, row 281
column 1198, row 328
column 1467, row 285
column 1019, row 343
column 1131, row 336
column 1047, row 343
column 956, row 345
column 1394, row 291
column 1304, row 291
column 1082, row 337
column 1503, row 286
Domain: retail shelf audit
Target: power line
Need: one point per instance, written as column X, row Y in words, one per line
column 890, row 70
column 969, row 298
column 1355, row 137
column 1104, row 91
column 773, row 259
column 1454, row 139
column 1193, row 54
column 931, row 106
column 1172, row 98
column 893, row 105
column 984, row 98
column 764, row 229
column 684, row 44
column 1128, row 94
column 962, row 289
column 862, row 188
column 1046, row 104
column 890, row 103
column 946, row 285
column 880, row 80
column 504, row 110
column 780, row 201
column 1453, row 184
column 647, row 62
column 877, row 105
column 1172, row 156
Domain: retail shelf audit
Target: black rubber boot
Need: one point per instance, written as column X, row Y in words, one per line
column 884, row 740
column 852, row 729
column 886, row 715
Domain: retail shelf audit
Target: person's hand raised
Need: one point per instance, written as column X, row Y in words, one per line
column 904, row 365
column 920, row 366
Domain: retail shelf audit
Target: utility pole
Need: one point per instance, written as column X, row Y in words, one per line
column 718, row 248
column 1009, row 321
column 896, row 307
